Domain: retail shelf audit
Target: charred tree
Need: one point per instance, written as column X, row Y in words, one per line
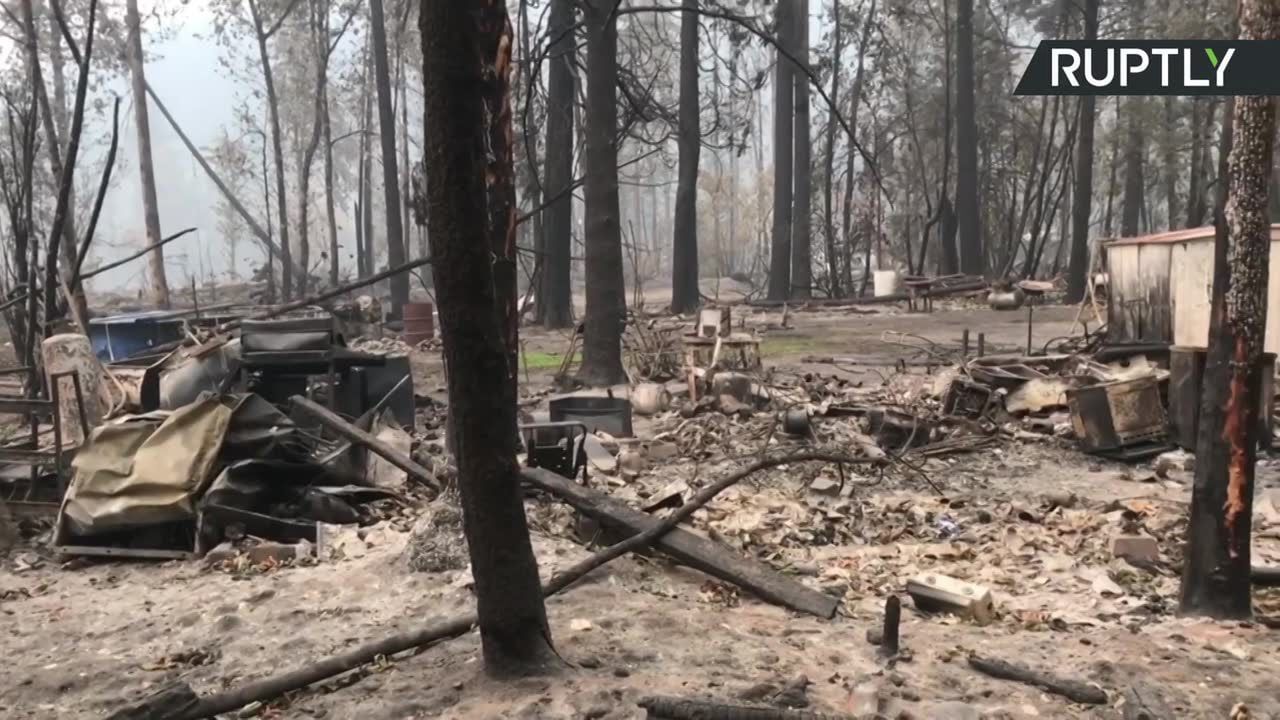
column 466, row 50
column 146, row 168
column 1082, row 196
column 802, row 214
column 390, row 173
column 1216, row 575
column 556, row 293
column 828, row 160
column 606, row 290
column 972, row 257
column 684, row 251
column 263, row 33
column 1135, row 152
column 1170, row 151
column 783, row 112
column 62, row 209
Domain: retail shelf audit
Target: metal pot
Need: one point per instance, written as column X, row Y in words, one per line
column 1006, row 299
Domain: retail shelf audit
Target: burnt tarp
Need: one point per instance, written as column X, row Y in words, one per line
column 146, row 469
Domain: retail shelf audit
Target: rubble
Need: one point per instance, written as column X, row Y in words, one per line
column 1138, row 548
column 436, row 543
column 939, row 593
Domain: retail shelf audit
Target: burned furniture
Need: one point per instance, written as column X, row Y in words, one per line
column 558, row 446
column 281, row 358
column 38, row 472
column 1122, row 420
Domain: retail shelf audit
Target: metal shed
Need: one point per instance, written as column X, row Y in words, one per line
column 1161, row 288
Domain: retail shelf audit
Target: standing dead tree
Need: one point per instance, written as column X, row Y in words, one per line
column 62, row 210
column 471, row 218
column 146, row 168
column 1215, row 578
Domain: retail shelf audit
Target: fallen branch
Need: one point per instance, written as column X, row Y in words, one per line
column 272, row 687
column 1073, row 690
column 674, row 708
column 351, row 433
column 1265, row 576
column 134, row 256
column 1142, row 702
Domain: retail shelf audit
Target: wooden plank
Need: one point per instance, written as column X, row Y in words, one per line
column 24, row 406
column 688, row 548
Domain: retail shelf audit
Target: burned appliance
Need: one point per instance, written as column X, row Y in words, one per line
column 280, row 359
column 1122, row 420
column 608, row 414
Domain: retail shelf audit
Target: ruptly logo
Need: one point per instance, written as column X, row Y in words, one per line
column 1152, row 67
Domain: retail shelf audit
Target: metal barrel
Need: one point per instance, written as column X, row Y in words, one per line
column 419, row 322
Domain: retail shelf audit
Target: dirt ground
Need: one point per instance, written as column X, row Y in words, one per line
column 81, row 639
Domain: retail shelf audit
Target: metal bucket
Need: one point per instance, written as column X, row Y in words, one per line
column 419, row 322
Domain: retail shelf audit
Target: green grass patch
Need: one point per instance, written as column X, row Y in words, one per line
column 535, row 360
column 797, row 345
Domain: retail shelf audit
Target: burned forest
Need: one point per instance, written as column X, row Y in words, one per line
column 626, row 359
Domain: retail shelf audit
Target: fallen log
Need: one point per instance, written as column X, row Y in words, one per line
column 1073, row 690
column 672, row 708
column 351, row 433
column 1142, row 702
column 693, row 550
column 1265, row 576
column 171, row 702
column 272, row 687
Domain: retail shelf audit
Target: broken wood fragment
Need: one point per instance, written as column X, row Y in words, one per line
column 347, row 431
column 171, row 702
column 672, row 708
column 1142, row 702
column 892, row 618
column 697, row 552
column 1265, row 576
column 1073, row 690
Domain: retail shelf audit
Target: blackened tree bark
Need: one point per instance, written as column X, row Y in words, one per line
column 146, row 169
column 467, row 47
column 1196, row 205
column 62, row 210
column 1216, row 575
column 828, row 160
column 684, row 260
column 1135, row 152
column 606, row 300
column 263, row 33
column 783, row 112
column 556, row 292
column 972, row 257
column 1082, row 196
column 802, row 214
column 390, row 173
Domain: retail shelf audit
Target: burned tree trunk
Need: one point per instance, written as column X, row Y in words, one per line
column 972, row 257
column 606, row 302
column 146, row 169
column 1135, row 152
column 263, row 34
column 390, row 174
column 465, row 47
column 555, row 299
column 1215, row 578
column 828, row 161
column 783, row 109
column 684, row 252
column 1082, row 196
column 802, row 214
